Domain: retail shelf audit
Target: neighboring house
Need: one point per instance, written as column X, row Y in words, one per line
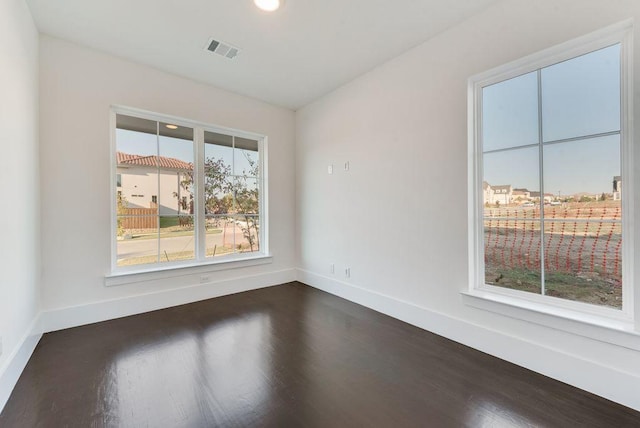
column 521, row 195
column 502, row 194
column 154, row 182
column 617, row 188
column 548, row 197
column 487, row 192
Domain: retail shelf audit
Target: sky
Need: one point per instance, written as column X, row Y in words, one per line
column 580, row 97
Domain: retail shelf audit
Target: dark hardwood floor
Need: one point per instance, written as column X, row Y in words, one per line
column 287, row 356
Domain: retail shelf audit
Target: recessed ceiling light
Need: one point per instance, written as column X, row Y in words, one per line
column 171, row 126
column 269, row 5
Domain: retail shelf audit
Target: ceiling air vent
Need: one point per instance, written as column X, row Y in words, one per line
column 222, row 48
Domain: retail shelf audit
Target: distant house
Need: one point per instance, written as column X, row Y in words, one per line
column 501, row 194
column 548, row 197
column 617, row 188
column 521, row 195
column 154, row 182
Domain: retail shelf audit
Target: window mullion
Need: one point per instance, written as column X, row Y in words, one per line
column 541, row 181
column 199, row 205
column 159, row 204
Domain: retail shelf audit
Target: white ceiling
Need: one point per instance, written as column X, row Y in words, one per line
column 288, row 58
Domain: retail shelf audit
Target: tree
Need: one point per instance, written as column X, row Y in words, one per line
column 217, row 186
column 585, row 198
column 121, row 210
column 248, row 203
column 603, row 197
column 225, row 194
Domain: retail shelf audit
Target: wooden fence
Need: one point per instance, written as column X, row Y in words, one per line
column 139, row 218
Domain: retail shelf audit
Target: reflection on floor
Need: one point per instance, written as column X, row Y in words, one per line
column 284, row 356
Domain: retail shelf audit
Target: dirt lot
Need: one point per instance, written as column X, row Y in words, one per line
column 582, row 248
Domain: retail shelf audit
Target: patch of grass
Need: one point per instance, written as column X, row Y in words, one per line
column 182, row 255
column 177, row 256
column 171, row 233
column 590, row 288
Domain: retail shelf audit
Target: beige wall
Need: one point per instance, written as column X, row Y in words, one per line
column 20, row 213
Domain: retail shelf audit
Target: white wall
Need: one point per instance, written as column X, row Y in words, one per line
column 78, row 85
column 19, row 216
column 403, row 128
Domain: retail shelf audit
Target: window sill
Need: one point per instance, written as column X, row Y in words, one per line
column 600, row 328
column 177, row 270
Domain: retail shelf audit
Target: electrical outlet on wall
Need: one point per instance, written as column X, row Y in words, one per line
column 332, row 268
column 347, row 272
column 204, row 278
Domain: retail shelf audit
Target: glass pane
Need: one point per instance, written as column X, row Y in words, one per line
column 176, row 238
column 247, row 240
column 581, row 96
column 246, row 196
column 510, row 113
column 136, row 139
column 510, row 179
column 175, row 167
column 218, row 153
column 218, row 166
column 137, row 241
column 221, row 235
column 137, row 197
column 217, row 202
column 585, row 172
column 583, row 259
column 512, row 253
column 245, row 157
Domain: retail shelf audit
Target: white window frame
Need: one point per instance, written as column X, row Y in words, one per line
column 548, row 310
column 122, row 275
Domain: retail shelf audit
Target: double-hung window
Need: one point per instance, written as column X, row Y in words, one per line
column 550, row 150
column 184, row 193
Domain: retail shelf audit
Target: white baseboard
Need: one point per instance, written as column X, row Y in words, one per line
column 607, row 382
column 75, row 316
column 16, row 362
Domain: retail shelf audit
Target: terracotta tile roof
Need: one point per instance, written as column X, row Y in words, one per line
column 161, row 161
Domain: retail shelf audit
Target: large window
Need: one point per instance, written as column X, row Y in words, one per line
column 550, row 153
column 184, row 193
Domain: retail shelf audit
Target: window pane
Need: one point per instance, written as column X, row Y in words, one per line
column 246, row 196
column 247, row 240
column 510, row 178
column 218, row 152
column 137, row 241
column 176, row 238
column 581, row 96
column 512, row 227
column 583, row 258
column 512, row 253
column 137, row 197
column 510, row 113
column 218, row 166
column 221, row 235
column 245, row 157
column 175, row 168
column 136, row 137
column 582, row 171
